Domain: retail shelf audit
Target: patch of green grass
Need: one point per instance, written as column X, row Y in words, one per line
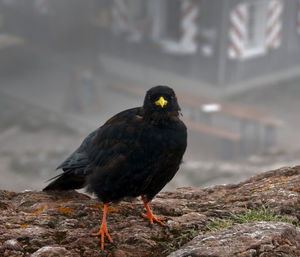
column 264, row 214
column 169, row 247
column 219, row 224
column 185, row 236
column 250, row 215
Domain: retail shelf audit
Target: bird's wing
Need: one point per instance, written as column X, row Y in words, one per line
column 108, row 145
column 99, row 142
column 75, row 168
column 79, row 158
column 116, row 138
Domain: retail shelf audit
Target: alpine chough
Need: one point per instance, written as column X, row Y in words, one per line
column 135, row 153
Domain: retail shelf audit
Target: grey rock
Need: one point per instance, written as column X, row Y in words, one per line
column 252, row 239
column 50, row 251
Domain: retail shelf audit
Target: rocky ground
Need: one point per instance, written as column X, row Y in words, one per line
column 258, row 217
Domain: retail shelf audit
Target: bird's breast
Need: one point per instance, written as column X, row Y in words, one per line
column 159, row 140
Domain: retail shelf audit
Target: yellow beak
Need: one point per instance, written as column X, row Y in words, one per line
column 161, row 101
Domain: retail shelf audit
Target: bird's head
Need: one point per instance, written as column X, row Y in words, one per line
column 161, row 99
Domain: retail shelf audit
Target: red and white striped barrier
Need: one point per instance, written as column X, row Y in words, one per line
column 187, row 43
column 237, row 31
column 274, row 24
column 189, row 26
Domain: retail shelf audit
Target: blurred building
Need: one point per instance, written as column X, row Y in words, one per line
column 221, row 42
column 217, row 41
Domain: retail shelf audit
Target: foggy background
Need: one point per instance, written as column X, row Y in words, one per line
column 66, row 66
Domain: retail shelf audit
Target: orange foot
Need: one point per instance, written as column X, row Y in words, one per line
column 103, row 230
column 150, row 215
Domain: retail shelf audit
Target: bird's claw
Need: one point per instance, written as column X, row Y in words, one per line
column 103, row 232
column 152, row 218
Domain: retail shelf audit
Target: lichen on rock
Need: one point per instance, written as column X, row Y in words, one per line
column 200, row 222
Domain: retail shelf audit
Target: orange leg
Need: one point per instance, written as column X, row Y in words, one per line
column 103, row 230
column 150, row 215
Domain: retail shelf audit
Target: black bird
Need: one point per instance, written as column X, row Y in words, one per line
column 135, row 153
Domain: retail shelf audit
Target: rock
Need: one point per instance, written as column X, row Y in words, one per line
column 12, row 244
column 36, row 223
column 50, row 251
column 253, row 239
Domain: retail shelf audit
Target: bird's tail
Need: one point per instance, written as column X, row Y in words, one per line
column 66, row 181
